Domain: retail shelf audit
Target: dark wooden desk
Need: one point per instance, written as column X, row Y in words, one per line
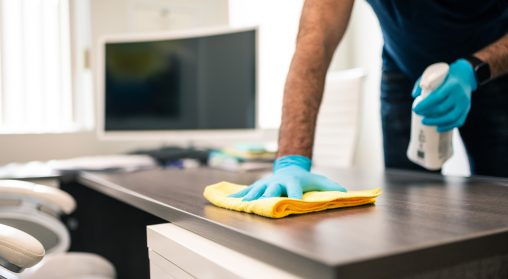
column 422, row 223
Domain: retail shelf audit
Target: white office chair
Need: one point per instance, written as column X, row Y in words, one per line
column 35, row 209
column 338, row 121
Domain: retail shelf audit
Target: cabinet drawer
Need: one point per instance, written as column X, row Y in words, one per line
column 161, row 268
column 202, row 258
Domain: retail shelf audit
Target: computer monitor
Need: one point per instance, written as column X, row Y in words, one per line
column 187, row 83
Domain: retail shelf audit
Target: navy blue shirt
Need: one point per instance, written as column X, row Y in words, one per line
column 418, row 33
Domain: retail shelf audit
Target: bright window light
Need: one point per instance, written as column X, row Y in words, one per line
column 35, row 67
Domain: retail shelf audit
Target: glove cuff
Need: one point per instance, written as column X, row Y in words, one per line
column 468, row 70
column 292, row 160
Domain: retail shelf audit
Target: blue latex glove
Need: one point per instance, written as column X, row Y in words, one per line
column 447, row 107
column 291, row 177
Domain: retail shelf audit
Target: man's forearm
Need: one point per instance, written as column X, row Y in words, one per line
column 496, row 55
column 322, row 25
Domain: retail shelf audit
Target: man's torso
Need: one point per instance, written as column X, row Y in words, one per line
column 421, row 32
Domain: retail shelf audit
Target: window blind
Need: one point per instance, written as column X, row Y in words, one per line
column 35, row 66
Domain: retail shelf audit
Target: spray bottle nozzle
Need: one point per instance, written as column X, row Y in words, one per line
column 433, row 76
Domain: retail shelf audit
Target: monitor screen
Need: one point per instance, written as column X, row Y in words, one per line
column 205, row 82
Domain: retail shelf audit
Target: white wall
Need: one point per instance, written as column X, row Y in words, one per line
column 278, row 25
column 366, row 42
column 42, row 147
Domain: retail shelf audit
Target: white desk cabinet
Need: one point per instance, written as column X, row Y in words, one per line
column 177, row 253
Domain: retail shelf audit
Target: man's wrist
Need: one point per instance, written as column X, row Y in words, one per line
column 292, row 160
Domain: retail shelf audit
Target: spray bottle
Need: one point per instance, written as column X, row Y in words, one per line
column 427, row 147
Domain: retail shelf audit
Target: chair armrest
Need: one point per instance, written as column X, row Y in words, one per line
column 18, row 250
column 51, row 195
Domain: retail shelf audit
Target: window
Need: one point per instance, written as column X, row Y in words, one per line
column 35, row 67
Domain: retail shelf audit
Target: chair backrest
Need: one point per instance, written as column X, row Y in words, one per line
column 338, row 122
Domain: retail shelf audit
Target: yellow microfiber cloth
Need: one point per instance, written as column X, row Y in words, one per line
column 218, row 193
